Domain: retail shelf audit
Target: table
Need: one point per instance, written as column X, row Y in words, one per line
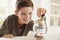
column 19, row 38
column 48, row 37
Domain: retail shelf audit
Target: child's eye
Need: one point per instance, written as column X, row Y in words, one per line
column 30, row 13
column 22, row 13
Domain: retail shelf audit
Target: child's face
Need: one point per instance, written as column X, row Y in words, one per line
column 24, row 15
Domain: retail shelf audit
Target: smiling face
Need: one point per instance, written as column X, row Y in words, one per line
column 24, row 15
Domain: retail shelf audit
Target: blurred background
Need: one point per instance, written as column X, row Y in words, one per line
column 7, row 8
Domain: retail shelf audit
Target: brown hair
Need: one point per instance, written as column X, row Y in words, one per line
column 23, row 3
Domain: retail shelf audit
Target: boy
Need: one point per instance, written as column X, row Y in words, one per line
column 20, row 23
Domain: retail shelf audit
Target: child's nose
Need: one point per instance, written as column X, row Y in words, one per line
column 27, row 16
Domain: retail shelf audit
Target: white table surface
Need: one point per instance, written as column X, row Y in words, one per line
column 19, row 38
column 48, row 37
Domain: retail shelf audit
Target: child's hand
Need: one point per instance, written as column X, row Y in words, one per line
column 41, row 12
column 8, row 36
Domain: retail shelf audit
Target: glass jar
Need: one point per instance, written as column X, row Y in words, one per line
column 40, row 29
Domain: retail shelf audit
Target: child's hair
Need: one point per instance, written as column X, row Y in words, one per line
column 23, row 3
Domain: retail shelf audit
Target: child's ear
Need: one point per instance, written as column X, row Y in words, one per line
column 16, row 13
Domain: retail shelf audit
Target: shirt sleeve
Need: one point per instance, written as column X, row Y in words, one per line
column 31, row 23
column 5, row 27
column 29, row 27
